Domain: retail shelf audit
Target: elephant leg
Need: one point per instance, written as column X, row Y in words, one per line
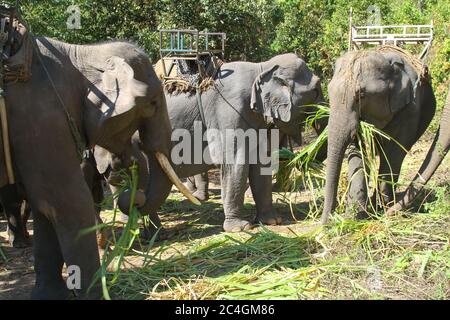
column 98, row 196
column 26, row 214
column 234, row 184
column 261, row 187
column 122, row 217
column 357, row 193
column 190, row 184
column 390, row 166
column 48, row 261
column 152, row 227
column 201, row 184
column 12, row 206
column 63, row 220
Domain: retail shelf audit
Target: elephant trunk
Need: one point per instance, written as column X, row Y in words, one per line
column 435, row 155
column 341, row 130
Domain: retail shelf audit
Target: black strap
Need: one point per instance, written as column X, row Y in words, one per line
column 200, row 105
column 76, row 135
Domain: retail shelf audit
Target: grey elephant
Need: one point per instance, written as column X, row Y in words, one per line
column 388, row 88
column 276, row 93
column 435, row 155
column 17, row 212
column 78, row 95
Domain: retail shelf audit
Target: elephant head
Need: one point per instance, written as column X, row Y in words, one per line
column 284, row 91
column 124, row 97
column 367, row 85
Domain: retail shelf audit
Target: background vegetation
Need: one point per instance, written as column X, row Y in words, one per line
column 257, row 30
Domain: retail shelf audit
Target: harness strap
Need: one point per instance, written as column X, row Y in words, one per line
column 200, row 105
column 4, row 39
column 79, row 141
column 5, row 135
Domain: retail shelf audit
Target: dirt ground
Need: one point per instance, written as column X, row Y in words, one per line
column 17, row 275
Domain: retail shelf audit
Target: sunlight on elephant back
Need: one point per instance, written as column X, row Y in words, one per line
column 420, row 67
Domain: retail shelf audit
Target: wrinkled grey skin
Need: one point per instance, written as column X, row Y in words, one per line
column 198, row 184
column 111, row 91
column 435, row 155
column 248, row 95
column 383, row 95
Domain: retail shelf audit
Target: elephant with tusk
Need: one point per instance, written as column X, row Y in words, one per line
column 436, row 154
column 91, row 95
column 390, row 89
column 275, row 94
column 245, row 97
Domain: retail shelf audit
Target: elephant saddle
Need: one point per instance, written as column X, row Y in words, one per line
column 18, row 54
column 188, row 76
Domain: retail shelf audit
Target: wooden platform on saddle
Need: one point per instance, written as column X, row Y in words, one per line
column 183, row 76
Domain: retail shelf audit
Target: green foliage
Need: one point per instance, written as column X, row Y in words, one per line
column 256, row 30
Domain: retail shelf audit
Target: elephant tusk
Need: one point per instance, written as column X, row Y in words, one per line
column 168, row 170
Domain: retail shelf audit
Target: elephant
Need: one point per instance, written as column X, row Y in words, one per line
column 277, row 93
column 198, row 186
column 435, row 155
column 386, row 87
column 78, row 96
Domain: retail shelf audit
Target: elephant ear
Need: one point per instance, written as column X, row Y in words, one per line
column 120, row 86
column 116, row 94
column 401, row 88
column 271, row 95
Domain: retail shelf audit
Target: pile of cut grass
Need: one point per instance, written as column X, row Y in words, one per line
column 381, row 258
column 384, row 258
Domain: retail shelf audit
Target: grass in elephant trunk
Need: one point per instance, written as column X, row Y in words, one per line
column 302, row 170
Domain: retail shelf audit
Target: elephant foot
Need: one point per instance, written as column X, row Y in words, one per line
column 201, row 195
column 236, row 225
column 51, row 292
column 20, row 243
column 394, row 210
column 270, row 218
column 362, row 215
